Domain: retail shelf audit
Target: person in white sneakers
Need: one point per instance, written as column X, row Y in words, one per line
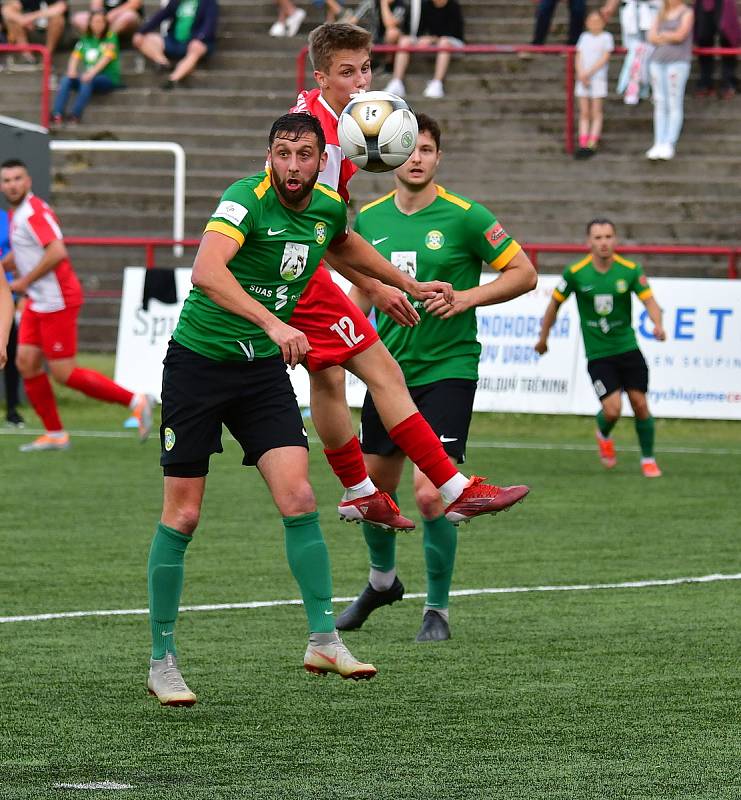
column 290, row 17
column 440, row 24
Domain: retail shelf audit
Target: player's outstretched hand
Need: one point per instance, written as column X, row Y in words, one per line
column 541, row 347
column 293, row 344
column 438, row 306
column 659, row 333
column 393, row 302
column 428, row 290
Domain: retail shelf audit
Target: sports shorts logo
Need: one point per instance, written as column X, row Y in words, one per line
column 293, row 263
column 603, row 304
column 320, row 232
column 434, row 240
column 231, row 211
column 169, row 439
column 446, row 439
column 405, row 261
column 600, row 388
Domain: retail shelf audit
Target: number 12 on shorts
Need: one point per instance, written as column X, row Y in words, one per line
column 345, row 329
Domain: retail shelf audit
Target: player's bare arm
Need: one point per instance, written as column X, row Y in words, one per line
column 369, row 261
column 549, row 318
column 212, row 276
column 654, row 313
column 54, row 253
column 6, row 318
column 7, row 262
column 516, row 278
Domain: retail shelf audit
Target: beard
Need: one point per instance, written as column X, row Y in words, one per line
column 295, row 196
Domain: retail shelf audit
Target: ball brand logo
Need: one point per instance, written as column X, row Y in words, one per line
column 169, row 439
column 434, row 240
column 370, row 113
column 320, row 232
column 407, row 139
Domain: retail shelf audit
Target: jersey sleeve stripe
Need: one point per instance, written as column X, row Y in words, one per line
column 512, row 249
column 227, row 230
column 377, row 201
column 329, row 192
column 624, row 261
column 580, row 264
column 262, row 187
column 645, row 294
column 558, row 296
column 451, row 198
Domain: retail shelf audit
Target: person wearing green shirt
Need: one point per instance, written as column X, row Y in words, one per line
column 604, row 283
column 93, row 68
column 431, row 233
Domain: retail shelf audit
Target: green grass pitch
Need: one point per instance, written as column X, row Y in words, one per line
column 568, row 695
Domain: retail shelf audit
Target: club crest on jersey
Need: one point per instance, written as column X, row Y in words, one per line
column 495, row 234
column 621, row 286
column 293, row 263
column 603, row 304
column 320, row 232
column 434, row 240
column 406, row 261
column 169, row 439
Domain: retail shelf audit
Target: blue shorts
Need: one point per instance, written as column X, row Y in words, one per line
column 175, row 50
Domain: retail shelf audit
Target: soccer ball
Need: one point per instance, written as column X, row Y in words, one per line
column 377, row 131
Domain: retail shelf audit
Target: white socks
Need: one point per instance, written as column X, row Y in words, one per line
column 381, row 581
column 362, row 489
column 451, row 490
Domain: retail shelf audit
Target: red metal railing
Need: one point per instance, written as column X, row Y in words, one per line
column 501, row 49
column 45, row 73
column 151, row 244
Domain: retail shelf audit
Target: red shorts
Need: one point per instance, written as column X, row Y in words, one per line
column 335, row 327
column 55, row 332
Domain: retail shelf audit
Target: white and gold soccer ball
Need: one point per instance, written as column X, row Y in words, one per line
column 377, row 131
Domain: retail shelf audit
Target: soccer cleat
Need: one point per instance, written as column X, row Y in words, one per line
column 377, row 509
column 335, row 657
column 368, row 601
column 142, row 411
column 606, row 451
column 47, row 441
column 434, row 628
column 14, row 420
column 167, row 684
column 650, row 468
column 481, row 498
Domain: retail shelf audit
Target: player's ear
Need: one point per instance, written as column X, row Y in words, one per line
column 269, row 158
column 323, row 161
column 321, row 79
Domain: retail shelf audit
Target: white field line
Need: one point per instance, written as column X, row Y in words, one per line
column 95, row 786
column 576, row 587
column 585, row 448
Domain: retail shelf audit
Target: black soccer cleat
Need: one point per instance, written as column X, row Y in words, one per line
column 434, row 628
column 369, row 600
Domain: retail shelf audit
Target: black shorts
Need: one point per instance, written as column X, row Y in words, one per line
column 253, row 399
column 447, row 405
column 623, row 371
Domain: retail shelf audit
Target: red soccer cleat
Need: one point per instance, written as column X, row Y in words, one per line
column 606, row 451
column 650, row 468
column 377, row 509
column 480, row 498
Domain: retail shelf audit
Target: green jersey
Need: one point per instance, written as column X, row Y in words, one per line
column 448, row 240
column 279, row 251
column 90, row 50
column 604, row 302
column 184, row 19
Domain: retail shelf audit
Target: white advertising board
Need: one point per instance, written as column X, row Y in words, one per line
column 696, row 372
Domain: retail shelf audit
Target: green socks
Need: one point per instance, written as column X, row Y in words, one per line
column 440, row 540
column 605, row 427
column 646, row 430
column 309, row 562
column 165, row 580
column 381, row 547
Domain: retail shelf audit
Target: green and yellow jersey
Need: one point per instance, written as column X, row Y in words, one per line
column 89, row 50
column 604, row 302
column 448, row 241
column 279, row 250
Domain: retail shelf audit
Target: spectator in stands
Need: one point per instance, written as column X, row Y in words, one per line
column 440, row 23
column 124, row 16
column 290, row 17
column 592, row 56
column 717, row 19
column 93, row 68
column 671, row 35
column 22, row 17
column 544, row 14
column 190, row 36
column 7, row 320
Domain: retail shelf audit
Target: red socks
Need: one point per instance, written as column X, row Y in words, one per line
column 97, row 386
column 40, row 395
column 417, row 439
column 347, row 463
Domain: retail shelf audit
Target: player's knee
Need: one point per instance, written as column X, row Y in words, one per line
column 299, row 500
column 329, row 381
column 428, row 502
column 186, row 518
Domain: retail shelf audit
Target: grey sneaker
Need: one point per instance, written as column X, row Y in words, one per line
column 434, row 628
column 369, row 600
column 166, row 682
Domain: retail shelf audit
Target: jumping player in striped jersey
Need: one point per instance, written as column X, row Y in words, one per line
column 341, row 337
column 48, row 328
column 603, row 283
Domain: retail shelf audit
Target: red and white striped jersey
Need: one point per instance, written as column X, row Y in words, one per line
column 33, row 226
column 339, row 169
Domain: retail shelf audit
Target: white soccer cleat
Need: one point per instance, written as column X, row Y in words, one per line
column 166, row 682
column 335, row 657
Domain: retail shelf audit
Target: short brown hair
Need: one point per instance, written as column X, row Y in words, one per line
column 429, row 125
column 327, row 39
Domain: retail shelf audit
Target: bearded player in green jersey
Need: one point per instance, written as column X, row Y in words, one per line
column 430, row 233
column 603, row 283
column 226, row 365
